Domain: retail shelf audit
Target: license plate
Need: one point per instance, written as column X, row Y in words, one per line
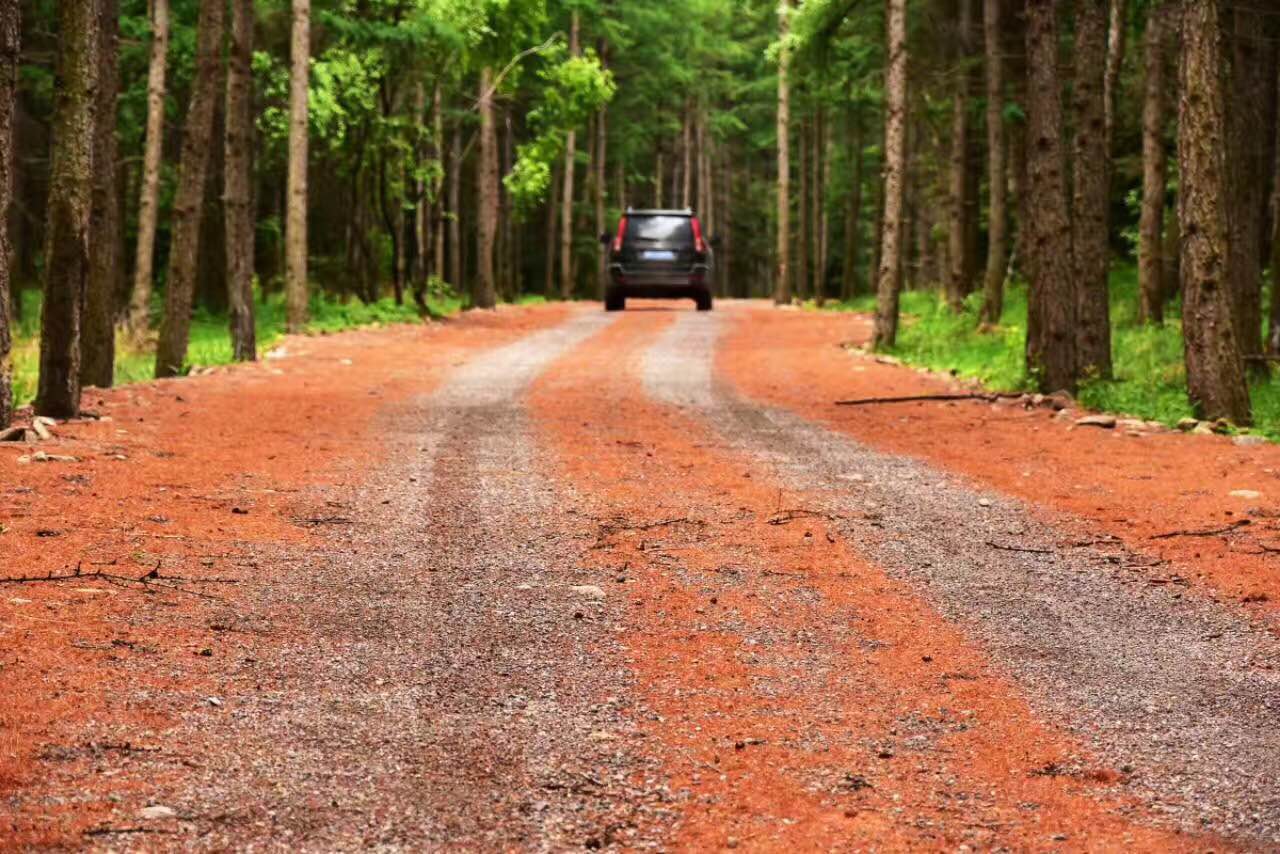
column 658, row 255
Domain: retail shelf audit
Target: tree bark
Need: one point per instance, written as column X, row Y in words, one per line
column 686, row 167
column 485, row 293
column 601, row 158
column 188, row 200
column 889, row 273
column 1151, row 274
column 10, row 49
column 1117, row 37
column 804, row 239
column 567, row 194
column 850, row 281
column 1215, row 371
column 98, row 320
column 958, row 245
column 67, row 262
column 998, row 213
column 822, row 175
column 149, row 199
column 1251, row 124
column 1091, row 178
column 455, row 209
column 1051, row 303
column 295, row 230
column 437, row 206
column 238, row 193
column 782, row 274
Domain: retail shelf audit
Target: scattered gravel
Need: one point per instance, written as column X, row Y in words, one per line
column 448, row 678
column 1179, row 693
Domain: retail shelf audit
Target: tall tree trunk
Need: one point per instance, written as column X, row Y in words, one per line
column 10, row 36
column 1117, row 36
column 1251, row 123
column 553, row 219
column 455, row 209
column 485, row 293
column 686, row 163
column 1051, row 304
column 437, row 207
column 98, row 321
column 1091, row 178
column 889, row 272
column 850, row 282
column 238, row 193
column 1215, row 371
column 821, row 175
column 188, row 200
column 804, row 240
column 567, row 195
column 998, row 214
column 149, row 198
column 782, row 275
column 724, row 258
column 295, row 230
column 67, row 236
column 658, row 179
column 958, row 246
column 602, row 140
column 1151, row 274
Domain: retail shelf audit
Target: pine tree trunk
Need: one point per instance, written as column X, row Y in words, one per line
column 1151, row 273
column 1117, row 37
column 959, row 263
column 1215, row 371
column 437, row 206
column 782, row 275
column 98, row 318
column 804, row 240
column 67, row 262
column 850, row 283
column 1051, row 303
column 1251, row 123
column 456, row 166
column 567, row 195
column 1091, row 196
column 10, row 44
column 686, row 165
column 889, row 272
column 295, row 230
column 998, row 213
column 188, row 200
column 485, row 294
column 238, row 193
column 601, row 158
column 149, row 198
column 658, row 179
column 822, row 175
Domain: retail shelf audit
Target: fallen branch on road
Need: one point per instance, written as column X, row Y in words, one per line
column 1213, row 532
column 1005, row 548
column 989, row 397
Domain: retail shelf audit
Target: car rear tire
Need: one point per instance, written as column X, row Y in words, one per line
column 614, row 301
column 704, row 301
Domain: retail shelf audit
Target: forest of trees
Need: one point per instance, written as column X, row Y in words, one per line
column 180, row 155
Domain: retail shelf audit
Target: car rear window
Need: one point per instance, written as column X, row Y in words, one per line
column 660, row 229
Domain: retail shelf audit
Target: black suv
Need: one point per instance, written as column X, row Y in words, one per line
column 659, row 254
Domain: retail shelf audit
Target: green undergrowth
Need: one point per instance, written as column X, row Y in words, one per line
column 210, row 339
column 1150, row 379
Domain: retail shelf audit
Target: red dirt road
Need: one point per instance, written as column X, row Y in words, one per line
column 550, row 578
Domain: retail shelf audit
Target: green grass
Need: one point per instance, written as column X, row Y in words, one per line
column 210, row 340
column 1150, row 379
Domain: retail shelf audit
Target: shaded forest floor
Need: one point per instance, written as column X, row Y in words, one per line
column 551, row 577
column 1150, row 377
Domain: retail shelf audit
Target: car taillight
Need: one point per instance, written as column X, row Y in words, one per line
column 622, row 232
column 699, row 245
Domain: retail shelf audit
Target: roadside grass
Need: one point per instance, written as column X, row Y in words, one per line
column 1150, row 378
column 210, row 338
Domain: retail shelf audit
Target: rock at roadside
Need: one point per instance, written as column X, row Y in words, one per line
column 1248, row 440
column 590, row 591
column 1186, row 425
column 1103, row 422
column 157, row 812
column 1248, row 494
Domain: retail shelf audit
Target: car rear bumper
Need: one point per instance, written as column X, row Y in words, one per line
column 643, row 282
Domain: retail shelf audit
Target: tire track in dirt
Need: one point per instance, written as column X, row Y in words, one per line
column 433, row 678
column 1179, row 694
column 800, row 698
